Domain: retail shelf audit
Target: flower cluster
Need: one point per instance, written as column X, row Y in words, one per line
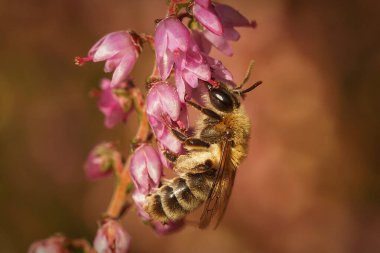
column 182, row 50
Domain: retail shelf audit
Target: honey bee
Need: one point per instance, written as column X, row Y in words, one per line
column 207, row 171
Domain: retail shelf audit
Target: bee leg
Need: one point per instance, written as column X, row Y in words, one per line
column 172, row 157
column 189, row 141
column 205, row 111
column 180, row 136
column 194, row 142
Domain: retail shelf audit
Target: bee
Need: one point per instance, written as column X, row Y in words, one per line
column 207, row 171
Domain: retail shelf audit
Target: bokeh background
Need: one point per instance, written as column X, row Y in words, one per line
column 311, row 182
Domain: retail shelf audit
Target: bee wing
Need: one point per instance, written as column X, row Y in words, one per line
column 221, row 189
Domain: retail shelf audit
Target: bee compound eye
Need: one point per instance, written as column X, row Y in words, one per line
column 221, row 100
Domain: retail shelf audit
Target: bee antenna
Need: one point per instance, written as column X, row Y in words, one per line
column 253, row 86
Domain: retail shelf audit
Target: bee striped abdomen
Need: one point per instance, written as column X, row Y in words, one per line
column 180, row 196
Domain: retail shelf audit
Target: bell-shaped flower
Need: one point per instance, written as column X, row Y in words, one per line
column 119, row 50
column 171, row 39
column 114, row 103
column 218, row 70
column 205, row 15
column 54, row 244
column 164, row 110
column 175, row 46
column 230, row 18
column 101, row 161
column 188, row 69
column 146, row 168
column 168, row 228
column 111, row 238
column 139, row 199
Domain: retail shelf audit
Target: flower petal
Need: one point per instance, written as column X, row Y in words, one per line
column 123, row 69
column 230, row 16
column 219, row 42
column 163, row 99
column 112, row 44
column 208, row 18
column 203, row 3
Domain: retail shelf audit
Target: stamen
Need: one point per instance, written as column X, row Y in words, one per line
column 80, row 61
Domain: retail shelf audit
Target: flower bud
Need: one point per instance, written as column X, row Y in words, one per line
column 168, row 228
column 111, row 238
column 114, row 103
column 54, row 244
column 139, row 199
column 100, row 161
column 146, row 168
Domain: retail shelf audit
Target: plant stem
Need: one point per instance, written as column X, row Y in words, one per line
column 123, row 177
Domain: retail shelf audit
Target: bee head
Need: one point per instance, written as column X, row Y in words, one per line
column 222, row 98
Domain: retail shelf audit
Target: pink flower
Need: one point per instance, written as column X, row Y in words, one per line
column 139, row 199
column 111, row 238
column 205, row 14
column 171, row 39
column 189, row 68
column 120, row 52
column 218, row 70
column 114, row 103
column 100, row 161
column 164, row 109
column 230, row 19
column 175, row 46
column 146, row 168
column 170, row 227
column 54, row 244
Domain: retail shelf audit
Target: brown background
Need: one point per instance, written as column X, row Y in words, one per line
column 311, row 182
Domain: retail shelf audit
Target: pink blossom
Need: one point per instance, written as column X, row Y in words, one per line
column 205, row 14
column 189, row 68
column 54, row 244
column 146, row 168
column 170, row 227
column 114, row 103
column 171, row 39
column 164, row 109
column 139, row 199
column 230, row 19
column 111, row 238
column 120, row 52
column 175, row 46
column 100, row 161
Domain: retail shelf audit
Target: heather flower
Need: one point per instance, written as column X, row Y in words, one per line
column 163, row 110
column 54, row 244
column 171, row 39
column 120, row 52
column 168, row 228
column 218, row 70
column 139, row 199
column 230, row 18
column 205, row 15
column 146, row 168
column 111, row 238
column 100, row 161
column 175, row 46
column 114, row 103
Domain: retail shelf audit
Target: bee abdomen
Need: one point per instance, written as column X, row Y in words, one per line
column 184, row 195
column 174, row 200
column 172, row 208
column 200, row 183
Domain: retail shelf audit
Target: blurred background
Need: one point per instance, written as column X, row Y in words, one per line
column 311, row 182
